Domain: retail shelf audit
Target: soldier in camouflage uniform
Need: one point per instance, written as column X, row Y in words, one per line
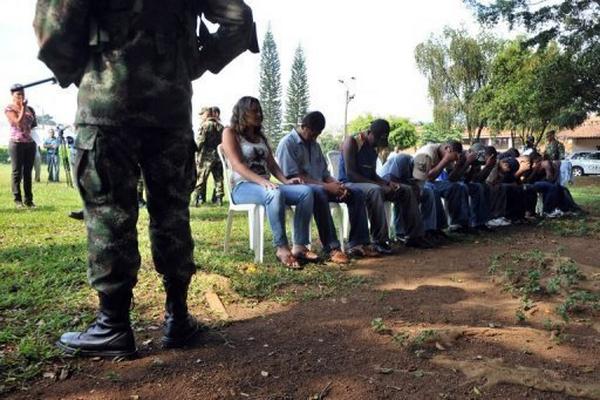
column 209, row 138
column 555, row 150
column 134, row 61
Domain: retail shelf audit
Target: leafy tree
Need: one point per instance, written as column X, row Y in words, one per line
column 330, row 141
column 270, row 88
column 403, row 133
column 297, row 93
column 457, row 68
column 532, row 91
column 432, row 133
column 45, row 119
column 360, row 123
column 573, row 24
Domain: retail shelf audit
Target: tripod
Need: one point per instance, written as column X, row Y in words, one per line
column 64, row 156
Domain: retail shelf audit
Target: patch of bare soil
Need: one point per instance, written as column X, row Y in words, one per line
column 431, row 325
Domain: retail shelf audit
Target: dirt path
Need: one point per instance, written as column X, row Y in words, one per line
column 434, row 306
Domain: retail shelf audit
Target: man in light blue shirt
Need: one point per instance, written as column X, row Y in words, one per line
column 299, row 155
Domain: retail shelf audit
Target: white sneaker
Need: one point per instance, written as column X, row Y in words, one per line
column 494, row 223
column 498, row 222
column 554, row 214
column 505, row 221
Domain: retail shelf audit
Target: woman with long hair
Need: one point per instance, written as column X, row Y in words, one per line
column 251, row 159
column 21, row 146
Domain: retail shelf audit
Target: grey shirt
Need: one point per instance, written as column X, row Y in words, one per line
column 297, row 156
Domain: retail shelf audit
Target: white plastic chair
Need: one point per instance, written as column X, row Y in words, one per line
column 333, row 159
column 256, row 215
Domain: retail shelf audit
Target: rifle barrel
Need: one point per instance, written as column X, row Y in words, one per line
column 53, row 80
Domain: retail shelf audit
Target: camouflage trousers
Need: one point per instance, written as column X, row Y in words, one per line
column 207, row 164
column 108, row 164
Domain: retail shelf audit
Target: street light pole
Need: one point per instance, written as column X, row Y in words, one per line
column 349, row 98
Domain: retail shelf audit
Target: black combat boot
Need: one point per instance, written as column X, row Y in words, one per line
column 109, row 336
column 180, row 327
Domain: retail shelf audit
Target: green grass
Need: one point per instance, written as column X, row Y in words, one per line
column 45, row 291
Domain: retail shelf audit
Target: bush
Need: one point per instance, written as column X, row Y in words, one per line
column 4, row 158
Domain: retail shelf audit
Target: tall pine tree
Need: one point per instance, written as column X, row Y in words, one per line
column 270, row 88
column 298, row 97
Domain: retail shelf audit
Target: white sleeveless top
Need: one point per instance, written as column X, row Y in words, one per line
column 254, row 155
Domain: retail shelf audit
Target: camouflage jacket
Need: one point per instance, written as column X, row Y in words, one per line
column 209, row 137
column 134, row 60
column 555, row 151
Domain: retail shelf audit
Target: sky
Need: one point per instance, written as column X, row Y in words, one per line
column 372, row 41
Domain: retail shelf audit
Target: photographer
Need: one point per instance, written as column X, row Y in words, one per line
column 21, row 146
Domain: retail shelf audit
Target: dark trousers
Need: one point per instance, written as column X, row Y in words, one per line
column 357, row 212
column 551, row 193
column 457, row 200
column 22, row 157
column 408, row 220
column 497, row 200
column 108, row 163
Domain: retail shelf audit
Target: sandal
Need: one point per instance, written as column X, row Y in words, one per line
column 339, row 257
column 306, row 256
column 362, row 251
column 288, row 260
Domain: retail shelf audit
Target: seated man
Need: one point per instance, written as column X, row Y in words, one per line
column 556, row 198
column 358, row 170
column 399, row 168
column 300, row 156
column 488, row 204
column 429, row 162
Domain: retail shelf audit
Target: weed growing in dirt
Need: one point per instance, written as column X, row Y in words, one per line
column 400, row 338
column 379, row 326
column 423, row 337
column 534, row 274
column 579, row 301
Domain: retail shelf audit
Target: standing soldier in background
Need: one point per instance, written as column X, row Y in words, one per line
column 209, row 138
column 134, row 62
column 199, row 197
column 217, row 170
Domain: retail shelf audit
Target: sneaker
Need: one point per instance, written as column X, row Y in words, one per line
column 19, row 204
column 554, row 214
column 383, row 248
column 29, row 204
column 494, row 223
column 505, row 221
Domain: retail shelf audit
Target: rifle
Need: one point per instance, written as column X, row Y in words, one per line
column 18, row 87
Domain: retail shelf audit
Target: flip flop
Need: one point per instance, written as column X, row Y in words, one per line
column 289, row 261
column 307, row 256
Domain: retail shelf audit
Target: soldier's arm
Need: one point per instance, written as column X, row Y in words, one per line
column 236, row 33
column 62, row 30
column 201, row 136
column 561, row 151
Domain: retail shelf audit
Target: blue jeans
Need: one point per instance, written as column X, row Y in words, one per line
column 478, row 206
column 457, row 198
column 275, row 201
column 359, row 228
column 429, row 210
